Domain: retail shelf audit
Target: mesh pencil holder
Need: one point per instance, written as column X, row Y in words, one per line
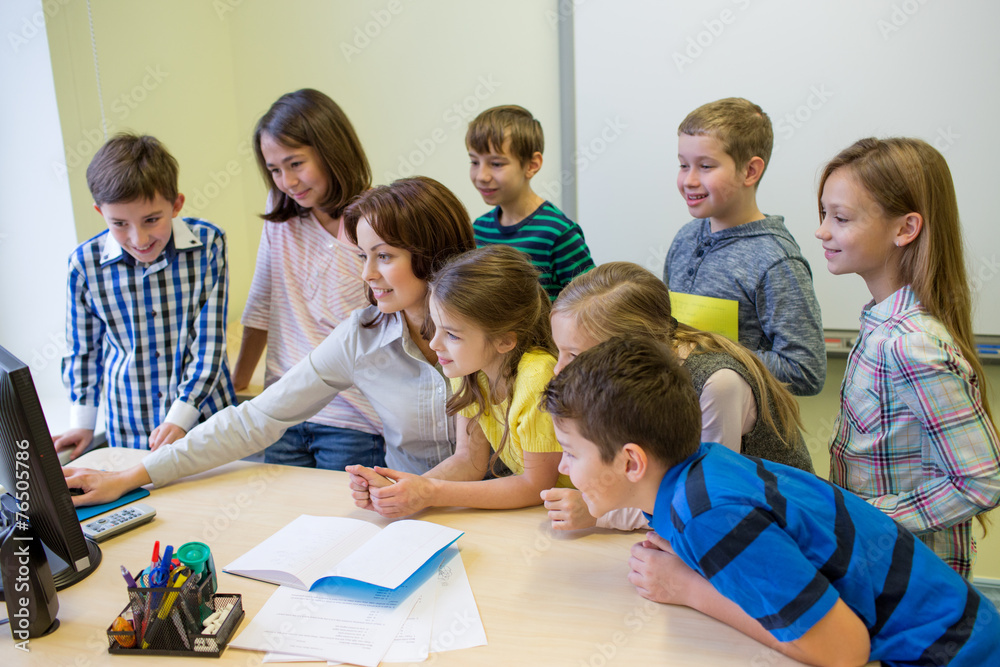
column 168, row 620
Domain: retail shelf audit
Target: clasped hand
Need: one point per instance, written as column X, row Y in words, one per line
column 567, row 509
column 658, row 573
column 389, row 492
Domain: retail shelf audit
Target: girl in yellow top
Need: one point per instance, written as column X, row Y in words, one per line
column 493, row 339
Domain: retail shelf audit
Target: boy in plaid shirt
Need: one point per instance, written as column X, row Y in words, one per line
column 146, row 307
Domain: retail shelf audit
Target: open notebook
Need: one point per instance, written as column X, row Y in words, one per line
column 312, row 549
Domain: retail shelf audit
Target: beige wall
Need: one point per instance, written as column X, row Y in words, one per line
column 199, row 74
column 818, row 413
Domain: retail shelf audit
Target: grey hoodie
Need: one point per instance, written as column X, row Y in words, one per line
column 759, row 265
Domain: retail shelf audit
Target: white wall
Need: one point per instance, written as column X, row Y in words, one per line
column 826, row 73
column 36, row 224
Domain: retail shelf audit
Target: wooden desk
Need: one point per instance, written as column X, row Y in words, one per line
column 545, row 598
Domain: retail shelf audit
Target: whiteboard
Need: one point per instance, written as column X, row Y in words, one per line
column 827, row 74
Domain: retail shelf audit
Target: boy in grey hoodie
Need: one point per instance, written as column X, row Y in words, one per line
column 733, row 251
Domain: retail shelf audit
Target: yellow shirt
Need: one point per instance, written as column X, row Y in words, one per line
column 530, row 428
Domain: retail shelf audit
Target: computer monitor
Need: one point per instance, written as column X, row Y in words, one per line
column 30, row 471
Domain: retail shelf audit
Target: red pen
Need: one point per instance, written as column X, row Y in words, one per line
column 154, row 562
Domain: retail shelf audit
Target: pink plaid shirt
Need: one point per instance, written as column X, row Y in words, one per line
column 912, row 437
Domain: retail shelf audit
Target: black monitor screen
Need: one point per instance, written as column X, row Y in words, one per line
column 30, row 472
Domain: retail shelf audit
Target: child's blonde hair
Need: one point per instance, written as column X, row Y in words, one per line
column 622, row 299
column 488, row 130
column 495, row 288
column 742, row 127
column 903, row 176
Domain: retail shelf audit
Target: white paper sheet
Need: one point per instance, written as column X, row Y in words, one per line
column 449, row 623
column 413, row 641
column 343, row 622
column 457, row 623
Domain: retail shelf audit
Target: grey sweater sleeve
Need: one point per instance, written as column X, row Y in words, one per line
column 790, row 318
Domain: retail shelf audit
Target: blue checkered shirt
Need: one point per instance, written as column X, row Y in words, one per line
column 153, row 337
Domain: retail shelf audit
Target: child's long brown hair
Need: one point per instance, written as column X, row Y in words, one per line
column 905, row 176
column 307, row 117
column 621, row 298
column 495, row 288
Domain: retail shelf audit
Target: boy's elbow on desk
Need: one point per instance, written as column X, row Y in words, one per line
column 839, row 639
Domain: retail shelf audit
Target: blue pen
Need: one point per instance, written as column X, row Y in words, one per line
column 159, row 575
column 158, row 579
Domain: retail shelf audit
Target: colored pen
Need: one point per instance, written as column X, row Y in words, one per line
column 128, row 577
column 163, row 612
column 158, row 577
column 167, row 560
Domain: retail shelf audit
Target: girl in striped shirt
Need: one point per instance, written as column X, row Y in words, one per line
column 915, row 436
column 308, row 274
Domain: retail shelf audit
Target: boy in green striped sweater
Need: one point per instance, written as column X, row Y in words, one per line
column 505, row 146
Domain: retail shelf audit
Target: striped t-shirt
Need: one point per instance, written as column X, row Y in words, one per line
column 554, row 243
column 306, row 282
column 785, row 545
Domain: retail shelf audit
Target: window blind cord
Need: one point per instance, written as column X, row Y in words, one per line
column 97, row 71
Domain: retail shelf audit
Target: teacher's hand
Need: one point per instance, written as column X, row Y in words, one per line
column 361, row 480
column 410, row 493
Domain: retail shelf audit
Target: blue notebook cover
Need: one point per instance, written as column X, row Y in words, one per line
column 84, row 513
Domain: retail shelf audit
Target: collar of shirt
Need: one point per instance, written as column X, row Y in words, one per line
column 769, row 225
column 665, row 496
column 181, row 239
column 898, row 302
column 395, row 328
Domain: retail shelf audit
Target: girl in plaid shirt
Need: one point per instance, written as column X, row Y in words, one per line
column 915, row 435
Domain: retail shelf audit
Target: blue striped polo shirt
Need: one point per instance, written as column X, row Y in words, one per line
column 785, row 545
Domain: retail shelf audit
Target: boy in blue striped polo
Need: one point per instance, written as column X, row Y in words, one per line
column 505, row 150
column 789, row 559
column 146, row 307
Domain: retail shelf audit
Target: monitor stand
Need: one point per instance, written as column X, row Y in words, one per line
column 62, row 574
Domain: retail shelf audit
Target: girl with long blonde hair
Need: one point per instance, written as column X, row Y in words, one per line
column 915, row 436
column 743, row 406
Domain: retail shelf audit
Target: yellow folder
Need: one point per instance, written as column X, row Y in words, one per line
column 707, row 313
